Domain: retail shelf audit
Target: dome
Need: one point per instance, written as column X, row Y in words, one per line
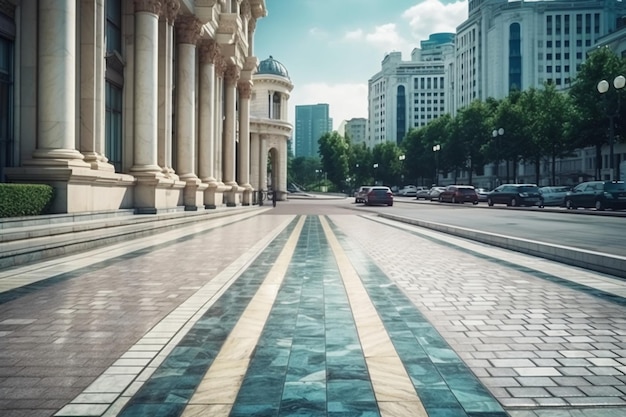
column 272, row 67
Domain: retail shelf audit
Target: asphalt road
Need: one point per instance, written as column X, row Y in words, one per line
column 601, row 232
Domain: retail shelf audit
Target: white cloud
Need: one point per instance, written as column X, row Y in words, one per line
column 345, row 100
column 432, row 16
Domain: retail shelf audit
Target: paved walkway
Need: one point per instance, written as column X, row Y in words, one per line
column 292, row 312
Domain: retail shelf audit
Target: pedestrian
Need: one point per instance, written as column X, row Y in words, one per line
column 274, row 197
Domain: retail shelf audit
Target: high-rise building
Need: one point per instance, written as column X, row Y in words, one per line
column 356, row 130
column 312, row 122
column 407, row 94
column 515, row 45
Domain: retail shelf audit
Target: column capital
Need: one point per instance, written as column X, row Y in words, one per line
column 170, row 10
column 232, row 74
column 220, row 65
column 151, row 6
column 188, row 29
column 246, row 10
column 209, row 51
column 245, row 89
column 251, row 25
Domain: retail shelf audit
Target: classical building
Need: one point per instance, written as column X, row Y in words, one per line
column 407, row 94
column 312, row 122
column 140, row 104
column 269, row 127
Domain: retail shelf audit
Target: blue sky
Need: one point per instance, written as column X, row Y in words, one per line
column 332, row 47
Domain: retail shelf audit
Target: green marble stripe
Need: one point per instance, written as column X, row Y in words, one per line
column 308, row 361
column 445, row 385
column 169, row 389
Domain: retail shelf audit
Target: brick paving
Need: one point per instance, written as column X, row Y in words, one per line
column 542, row 347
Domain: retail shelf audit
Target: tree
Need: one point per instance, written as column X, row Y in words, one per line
column 591, row 110
column 334, row 152
column 471, row 132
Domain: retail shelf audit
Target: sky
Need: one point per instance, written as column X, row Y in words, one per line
column 331, row 48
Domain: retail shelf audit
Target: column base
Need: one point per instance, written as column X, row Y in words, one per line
column 79, row 189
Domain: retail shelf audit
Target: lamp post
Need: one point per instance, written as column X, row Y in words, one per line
column 436, row 149
column 318, row 174
column 375, row 166
column 497, row 133
column 401, row 158
column 603, row 87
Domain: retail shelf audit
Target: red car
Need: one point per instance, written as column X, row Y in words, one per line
column 459, row 194
column 379, row 195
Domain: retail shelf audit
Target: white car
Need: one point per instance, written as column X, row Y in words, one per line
column 408, row 191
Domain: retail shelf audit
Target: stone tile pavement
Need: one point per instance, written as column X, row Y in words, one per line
column 544, row 338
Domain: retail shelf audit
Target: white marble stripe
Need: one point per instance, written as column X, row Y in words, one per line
column 392, row 385
column 116, row 386
column 216, row 394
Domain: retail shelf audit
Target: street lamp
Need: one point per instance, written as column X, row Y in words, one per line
column 496, row 134
column 401, row 158
column 603, row 87
column 436, row 149
column 375, row 166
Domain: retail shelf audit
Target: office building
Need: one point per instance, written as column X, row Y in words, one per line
column 356, row 130
column 407, row 94
column 312, row 122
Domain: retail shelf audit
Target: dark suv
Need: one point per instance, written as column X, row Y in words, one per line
column 516, row 195
column 598, row 194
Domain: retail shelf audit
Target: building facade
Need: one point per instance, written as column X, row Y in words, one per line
column 312, row 122
column 140, row 104
column 407, row 94
column 505, row 46
column 270, row 128
column 356, row 130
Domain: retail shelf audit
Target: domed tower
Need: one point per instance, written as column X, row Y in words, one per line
column 270, row 128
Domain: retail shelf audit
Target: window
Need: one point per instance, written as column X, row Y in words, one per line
column 114, row 84
column 113, row 128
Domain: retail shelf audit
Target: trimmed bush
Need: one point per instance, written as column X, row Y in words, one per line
column 25, row 199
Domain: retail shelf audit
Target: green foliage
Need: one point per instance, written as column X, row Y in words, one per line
column 334, row 151
column 25, row 199
column 539, row 124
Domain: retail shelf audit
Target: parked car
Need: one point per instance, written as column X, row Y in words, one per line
column 482, row 193
column 359, row 196
column 516, row 195
column 597, row 194
column 554, row 196
column 379, row 195
column 458, row 194
column 423, row 193
column 407, row 191
column 433, row 194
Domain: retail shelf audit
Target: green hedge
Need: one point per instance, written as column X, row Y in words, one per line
column 25, row 199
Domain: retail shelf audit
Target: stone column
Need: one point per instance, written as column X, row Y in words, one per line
column 255, row 164
column 145, row 149
column 92, row 84
column 209, row 50
column 188, row 30
column 231, row 76
column 166, row 83
column 56, row 105
column 245, row 92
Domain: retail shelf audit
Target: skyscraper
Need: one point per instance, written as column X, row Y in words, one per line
column 312, row 122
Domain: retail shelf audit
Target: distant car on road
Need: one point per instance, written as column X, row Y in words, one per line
column 458, row 194
column 482, row 193
column 516, row 195
column 379, row 195
column 600, row 195
column 423, row 193
column 407, row 191
column 433, row 194
column 359, row 196
column 554, row 196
